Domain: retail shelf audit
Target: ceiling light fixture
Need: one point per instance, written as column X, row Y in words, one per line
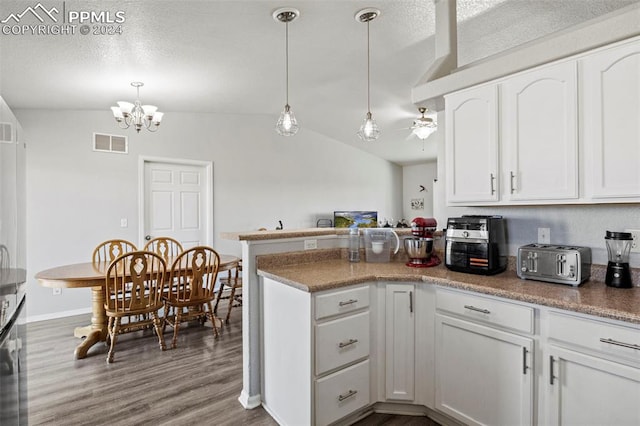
column 423, row 126
column 287, row 124
column 369, row 130
column 137, row 114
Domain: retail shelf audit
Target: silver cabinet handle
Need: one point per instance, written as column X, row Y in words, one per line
column 551, row 376
column 348, row 302
column 524, row 361
column 473, row 308
column 349, row 394
column 411, row 301
column 512, row 177
column 493, row 187
column 623, row 344
column 347, row 343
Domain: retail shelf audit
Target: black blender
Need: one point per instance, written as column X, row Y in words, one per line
column 618, row 248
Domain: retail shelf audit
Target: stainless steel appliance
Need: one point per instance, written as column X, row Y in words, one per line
column 476, row 244
column 618, row 249
column 554, row 263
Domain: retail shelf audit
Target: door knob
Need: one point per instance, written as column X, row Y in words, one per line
column 147, row 237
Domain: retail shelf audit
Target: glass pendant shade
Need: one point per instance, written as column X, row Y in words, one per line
column 287, row 124
column 369, row 130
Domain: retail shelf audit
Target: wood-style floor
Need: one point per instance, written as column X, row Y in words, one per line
column 198, row 383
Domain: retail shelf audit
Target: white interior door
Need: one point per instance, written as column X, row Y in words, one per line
column 177, row 201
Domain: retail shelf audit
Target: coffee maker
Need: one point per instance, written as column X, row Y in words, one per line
column 618, row 248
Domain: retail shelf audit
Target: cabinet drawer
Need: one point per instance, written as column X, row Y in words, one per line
column 341, row 393
column 340, row 302
column 503, row 314
column 341, row 341
column 622, row 342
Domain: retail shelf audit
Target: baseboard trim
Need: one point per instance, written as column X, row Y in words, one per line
column 56, row 315
column 249, row 402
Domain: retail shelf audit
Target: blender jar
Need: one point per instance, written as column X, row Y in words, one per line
column 618, row 248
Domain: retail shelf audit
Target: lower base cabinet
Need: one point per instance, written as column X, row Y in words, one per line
column 342, row 393
column 586, row 390
column 483, row 375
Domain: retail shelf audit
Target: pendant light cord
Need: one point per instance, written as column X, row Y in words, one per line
column 368, row 72
column 286, row 55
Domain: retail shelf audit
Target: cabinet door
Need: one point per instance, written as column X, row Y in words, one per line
column 472, row 145
column 400, row 342
column 483, row 375
column 539, row 134
column 611, row 113
column 584, row 390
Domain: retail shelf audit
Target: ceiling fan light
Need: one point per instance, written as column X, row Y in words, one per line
column 423, row 132
column 287, row 124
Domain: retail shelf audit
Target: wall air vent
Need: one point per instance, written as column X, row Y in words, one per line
column 6, row 133
column 110, row 143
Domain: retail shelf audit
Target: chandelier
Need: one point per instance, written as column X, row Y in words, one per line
column 423, row 126
column 287, row 124
column 139, row 115
column 369, row 129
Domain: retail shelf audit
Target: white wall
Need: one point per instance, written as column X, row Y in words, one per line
column 412, row 177
column 76, row 197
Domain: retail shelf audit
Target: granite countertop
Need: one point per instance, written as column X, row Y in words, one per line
column 329, row 269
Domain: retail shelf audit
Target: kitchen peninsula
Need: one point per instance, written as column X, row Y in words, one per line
column 327, row 340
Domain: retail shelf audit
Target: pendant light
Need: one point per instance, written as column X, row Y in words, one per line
column 369, row 130
column 287, row 124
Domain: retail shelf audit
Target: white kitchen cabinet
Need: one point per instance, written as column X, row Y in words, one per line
column 315, row 353
column 593, row 372
column 611, row 111
column 484, row 375
column 539, row 133
column 472, row 145
column 400, row 374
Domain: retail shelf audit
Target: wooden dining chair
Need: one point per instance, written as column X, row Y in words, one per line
column 108, row 250
column 193, row 277
column 133, row 295
column 231, row 290
column 166, row 247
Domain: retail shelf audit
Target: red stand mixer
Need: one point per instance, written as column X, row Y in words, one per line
column 419, row 248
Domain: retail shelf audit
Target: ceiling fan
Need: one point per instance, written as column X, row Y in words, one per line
column 423, row 126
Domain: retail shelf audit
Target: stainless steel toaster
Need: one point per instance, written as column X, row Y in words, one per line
column 554, row 263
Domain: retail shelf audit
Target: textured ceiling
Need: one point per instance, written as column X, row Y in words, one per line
column 228, row 57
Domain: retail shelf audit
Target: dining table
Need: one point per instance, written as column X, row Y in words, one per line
column 90, row 275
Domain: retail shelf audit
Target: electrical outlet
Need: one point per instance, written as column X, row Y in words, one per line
column 544, row 236
column 310, row 244
column 57, row 291
column 124, row 222
column 635, row 245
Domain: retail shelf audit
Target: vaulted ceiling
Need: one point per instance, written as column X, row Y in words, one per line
column 229, row 57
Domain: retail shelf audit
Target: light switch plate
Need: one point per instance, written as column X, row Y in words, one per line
column 635, row 246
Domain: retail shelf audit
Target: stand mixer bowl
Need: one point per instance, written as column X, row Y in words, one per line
column 419, row 249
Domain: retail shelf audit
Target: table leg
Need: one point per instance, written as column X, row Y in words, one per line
column 97, row 331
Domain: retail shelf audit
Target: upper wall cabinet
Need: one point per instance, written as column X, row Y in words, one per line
column 472, row 145
column 611, row 85
column 540, row 134
column 562, row 133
